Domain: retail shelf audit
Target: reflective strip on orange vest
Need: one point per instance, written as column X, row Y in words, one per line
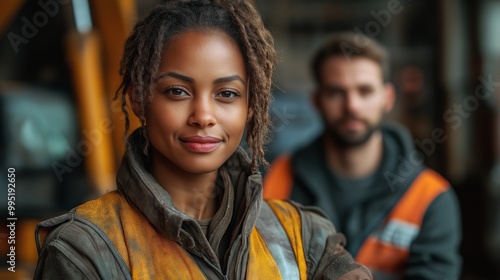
column 259, row 255
column 148, row 255
column 279, row 179
column 285, row 241
column 386, row 250
column 277, row 242
column 290, row 220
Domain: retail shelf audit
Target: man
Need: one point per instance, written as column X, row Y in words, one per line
column 400, row 218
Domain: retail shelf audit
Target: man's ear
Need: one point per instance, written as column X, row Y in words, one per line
column 390, row 97
column 315, row 99
column 134, row 103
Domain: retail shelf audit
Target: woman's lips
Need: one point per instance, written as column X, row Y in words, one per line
column 201, row 144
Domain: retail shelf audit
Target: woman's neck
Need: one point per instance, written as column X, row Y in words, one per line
column 194, row 194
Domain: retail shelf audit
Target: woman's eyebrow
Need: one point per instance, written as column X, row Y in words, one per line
column 191, row 80
column 229, row 79
column 175, row 75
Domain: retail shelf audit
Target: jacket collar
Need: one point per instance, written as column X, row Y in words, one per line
column 141, row 189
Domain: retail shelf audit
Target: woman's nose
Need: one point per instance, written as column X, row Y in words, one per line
column 203, row 113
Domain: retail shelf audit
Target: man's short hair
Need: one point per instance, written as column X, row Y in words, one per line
column 350, row 45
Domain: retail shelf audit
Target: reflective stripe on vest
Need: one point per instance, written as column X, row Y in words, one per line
column 386, row 250
column 285, row 241
column 278, row 181
column 148, row 255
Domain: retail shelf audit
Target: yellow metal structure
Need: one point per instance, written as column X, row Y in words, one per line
column 113, row 28
column 94, row 60
column 95, row 146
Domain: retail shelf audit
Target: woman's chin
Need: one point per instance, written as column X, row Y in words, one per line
column 201, row 166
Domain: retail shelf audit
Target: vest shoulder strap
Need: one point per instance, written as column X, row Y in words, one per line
column 281, row 227
column 413, row 205
column 279, row 180
column 387, row 248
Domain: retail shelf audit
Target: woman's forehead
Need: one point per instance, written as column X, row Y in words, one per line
column 201, row 52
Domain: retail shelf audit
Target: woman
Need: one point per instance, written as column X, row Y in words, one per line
column 188, row 204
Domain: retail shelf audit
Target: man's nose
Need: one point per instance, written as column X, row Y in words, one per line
column 352, row 102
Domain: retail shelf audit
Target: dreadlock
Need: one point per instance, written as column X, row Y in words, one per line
column 238, row 19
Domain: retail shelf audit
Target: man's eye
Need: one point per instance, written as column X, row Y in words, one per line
column 366, row 91
column 334, row 92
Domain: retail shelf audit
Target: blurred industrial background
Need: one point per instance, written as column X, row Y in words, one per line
column 63, row 133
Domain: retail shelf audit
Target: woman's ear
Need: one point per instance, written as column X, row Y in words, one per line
column 250, row 114
column 134, row 102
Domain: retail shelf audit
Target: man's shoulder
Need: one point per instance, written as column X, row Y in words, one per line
column 305, row 154
column 428, row 191
column 430, row 180
column 445, row 197
column 313, row 145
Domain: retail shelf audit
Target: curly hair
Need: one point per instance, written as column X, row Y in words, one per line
column 236, row 18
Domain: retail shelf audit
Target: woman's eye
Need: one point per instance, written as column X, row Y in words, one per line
column 228, row 94
column 176, row 91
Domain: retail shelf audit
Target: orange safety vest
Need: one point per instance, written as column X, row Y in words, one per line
column 386, row 250
column 148, row 255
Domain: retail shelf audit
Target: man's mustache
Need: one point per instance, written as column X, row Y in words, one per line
column 351, row 118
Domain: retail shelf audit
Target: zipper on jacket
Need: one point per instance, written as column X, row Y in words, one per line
column 204, row 258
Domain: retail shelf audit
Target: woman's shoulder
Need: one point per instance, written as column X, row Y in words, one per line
column 74, row 240
column 78, row 224
column 108, row 204
column 307, row 216
column 306, row 223
column 308, row 229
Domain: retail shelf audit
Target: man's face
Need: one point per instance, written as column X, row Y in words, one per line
column 352, row 99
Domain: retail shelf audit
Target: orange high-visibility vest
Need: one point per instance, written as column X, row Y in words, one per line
column 149, row 255
column 279, row 180
column 386, row 250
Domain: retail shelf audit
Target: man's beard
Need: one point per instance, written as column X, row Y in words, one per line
column 343, row 140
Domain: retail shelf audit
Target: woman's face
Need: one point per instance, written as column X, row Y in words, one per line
column 199, row 108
